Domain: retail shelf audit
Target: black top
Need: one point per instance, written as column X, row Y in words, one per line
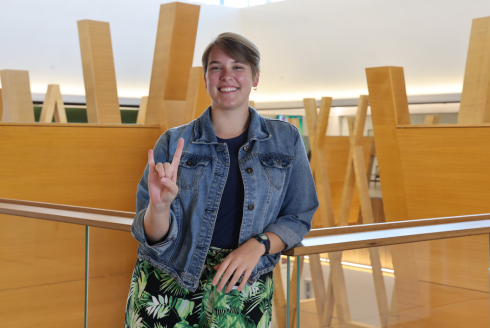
column 229, row 220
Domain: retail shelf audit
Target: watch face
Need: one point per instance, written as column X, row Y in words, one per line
column 263, row 236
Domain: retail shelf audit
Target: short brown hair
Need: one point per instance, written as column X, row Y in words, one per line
column 237, row 47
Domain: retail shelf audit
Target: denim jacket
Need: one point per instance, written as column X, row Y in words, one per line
column 280, row 195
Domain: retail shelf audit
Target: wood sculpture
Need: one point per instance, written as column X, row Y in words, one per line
column 16, row 94
column 142, row 110
column 197, row 99
column 172, row 62
column 99, row 74
column 53, row 106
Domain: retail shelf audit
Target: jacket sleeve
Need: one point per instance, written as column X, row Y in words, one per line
column 160, row 152
column 300, row 200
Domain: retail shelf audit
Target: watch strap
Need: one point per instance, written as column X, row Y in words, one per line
column 264, row 239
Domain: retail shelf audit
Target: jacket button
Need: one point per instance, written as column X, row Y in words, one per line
column 278, row 161
column 251, row 206
column 246, row 148
column 249, row 170
column 189, row 163
column 250, row 280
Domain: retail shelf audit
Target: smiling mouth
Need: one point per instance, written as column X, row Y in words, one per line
column 227, row 89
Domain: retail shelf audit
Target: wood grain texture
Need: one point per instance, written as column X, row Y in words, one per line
column 475, row 104
column 142, row 110
column 96, row 166
column 172, row 60
column 389, row 107
column 174, row 113
column 44, row 306
column 53, row 106
column 197, row 99
column 99, row 74
column 16, row 96
column 279, row 297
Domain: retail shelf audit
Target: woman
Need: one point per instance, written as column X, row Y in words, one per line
column 229, row 192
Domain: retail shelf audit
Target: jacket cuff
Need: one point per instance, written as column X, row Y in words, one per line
column 138, row 232
column 288, row 236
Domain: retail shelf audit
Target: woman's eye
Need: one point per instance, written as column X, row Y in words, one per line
column 214, row 68
column 238, row 67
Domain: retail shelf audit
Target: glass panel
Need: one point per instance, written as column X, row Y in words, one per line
column 442, row 283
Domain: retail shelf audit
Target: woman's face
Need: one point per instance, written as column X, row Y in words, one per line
column 228, row 82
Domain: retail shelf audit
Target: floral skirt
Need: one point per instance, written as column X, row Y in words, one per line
column 156, row 300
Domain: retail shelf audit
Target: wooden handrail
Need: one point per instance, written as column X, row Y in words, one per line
column 317, row 241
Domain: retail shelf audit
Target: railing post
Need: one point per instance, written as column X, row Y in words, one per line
column 288, row 291
column 298, row 277
column 86, row 275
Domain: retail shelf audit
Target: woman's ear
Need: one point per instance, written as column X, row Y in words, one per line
column 256, row 80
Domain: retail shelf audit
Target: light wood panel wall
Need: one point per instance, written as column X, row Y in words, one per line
column 99, row 74
column 68, row 164
column 442, row 171
column 197, row 99
column 16, row 96
column 475, row 98
column 172, row 62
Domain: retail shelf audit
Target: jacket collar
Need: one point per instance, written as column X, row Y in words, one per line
column 204, row 133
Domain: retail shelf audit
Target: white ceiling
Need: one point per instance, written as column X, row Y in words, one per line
column 310, row 48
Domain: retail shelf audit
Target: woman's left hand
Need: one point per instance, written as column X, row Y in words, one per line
column 241, row 261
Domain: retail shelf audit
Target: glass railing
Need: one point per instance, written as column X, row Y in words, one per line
column 420, row 273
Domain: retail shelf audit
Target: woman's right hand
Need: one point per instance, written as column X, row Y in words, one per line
column 162, row 179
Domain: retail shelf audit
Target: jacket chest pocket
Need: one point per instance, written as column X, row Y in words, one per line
column 275, row 167
column 191, row 168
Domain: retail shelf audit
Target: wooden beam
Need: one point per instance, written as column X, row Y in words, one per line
column 142, row 110
column 53, row 106
column 475, row 98
column 172, row 61
column 432, row 119
column 17, row 98
column 251, row 103
column 1, row 105
column 197, row 99
column 99, row 74
column 389, row 107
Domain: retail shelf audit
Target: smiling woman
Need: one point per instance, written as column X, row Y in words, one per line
column 219, row 200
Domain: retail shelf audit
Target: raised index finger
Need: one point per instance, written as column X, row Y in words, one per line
column 178, row 153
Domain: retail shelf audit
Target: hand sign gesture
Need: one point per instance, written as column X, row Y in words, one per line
column 162, row 179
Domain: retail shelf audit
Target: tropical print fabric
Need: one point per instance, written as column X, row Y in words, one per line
column 156, row 300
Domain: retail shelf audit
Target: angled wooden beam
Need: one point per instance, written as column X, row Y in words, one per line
column 432, row 119
column 197, row 99
column 142, row 110
column 172, row 61
column 389, row 107
column 17, row 98
column 475, row 98
column 99, row 74
column 53, row 106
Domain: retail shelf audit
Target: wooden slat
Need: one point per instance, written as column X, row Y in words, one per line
column 432, row 119
column 279, row 297
column 99, row 74
column 53, row 106
column 172, row 60
column 142, row 110
column 475, row 104
column 197, row 99
column 389, row 107
column 17, row 98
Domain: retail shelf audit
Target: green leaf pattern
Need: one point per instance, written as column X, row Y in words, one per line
column 205, row 308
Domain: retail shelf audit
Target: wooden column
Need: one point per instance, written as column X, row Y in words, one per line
column 432, row 119
column 1, row 105
column 53, row 106
column 172, row 62
column 197, row 99
column 17, row 98
column 99, row 74
column 389, row 107
column 251, row 103
column 475, row 98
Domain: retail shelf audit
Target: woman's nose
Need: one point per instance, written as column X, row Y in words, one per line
column 226, row 74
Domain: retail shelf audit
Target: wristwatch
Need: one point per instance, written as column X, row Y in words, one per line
column 264, row 239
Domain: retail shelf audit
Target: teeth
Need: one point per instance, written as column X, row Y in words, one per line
column 228, row 89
